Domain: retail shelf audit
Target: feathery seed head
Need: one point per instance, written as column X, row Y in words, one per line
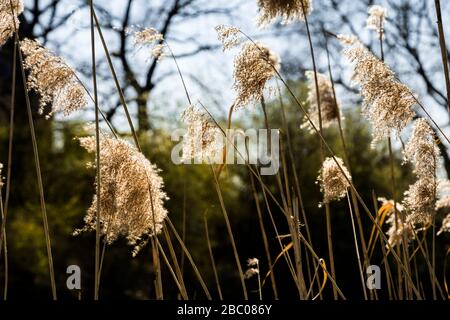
column 399, row 230
column 253, row 268
column 444, row 194
column 131, row 193
column 445, row 225
column 329, row 111
column 376, row 19
column 8, row 22
column 149, row 37
column 421, row 150
column 387, row 103
column 333, row 183
column 51, row 77
column 288, row 10
column 203, row 140
column 254, row 66
column 229, row 36
column 420, row 200
column 252, row 262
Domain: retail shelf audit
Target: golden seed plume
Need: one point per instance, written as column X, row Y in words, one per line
column 229, row 36
column 254, row 66
column 332, row 181
column 151, row 38
column 376, row 20
column 131, row 194
column 422, row 151
column 288, row 10
column 203, row 140
column 387, row 103
column 51, row 77
column 329, row 111
column 445, row 225
column 7, row 20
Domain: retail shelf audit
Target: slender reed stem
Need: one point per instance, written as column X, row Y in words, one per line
column 264, row 236
column 10, row 144
column 5, row 248
column 97, row 160
column 230, row 234
column 357, row 248
column 176, row 265
column 37, row 164
column 177, row 282
column 327, row 206
column 211, row 256
column 189, row 257
column 437, row 5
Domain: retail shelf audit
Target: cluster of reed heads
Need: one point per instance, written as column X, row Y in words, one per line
column 130, row 197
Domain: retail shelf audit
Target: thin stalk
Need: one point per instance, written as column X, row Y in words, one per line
column 116, row 82
column 357, row 248
column 97, row 162
column 37, row 165
column 230, row 234
column 10, row 143
column 211, row 256
column 184, row 225
column 176, row 265
column 301, row 287
column 437, row 5
column 327, row 206
column 264, row 237
column 259, row 282
column 347, row 162
column 177, row 282
column 297, row 184
column 385, row 260
column 5, row 248
column 189, row 257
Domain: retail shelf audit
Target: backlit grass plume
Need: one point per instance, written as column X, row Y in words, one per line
column 332, row 181
column 51, row 77
column 329, row 110
column 288, row 10
column 398, row 230
column 131, row 194
column 387, row 103
column 230, row 36
column 203, row 140
column 151, row 38
column 445, row 225
column 8, row 20
column 254, row 66
column 422, row 151
column 377, row 19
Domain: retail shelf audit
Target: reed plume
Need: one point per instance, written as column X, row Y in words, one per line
column 444, row 202
column 131, row 194
column 445, row 225
column 387, row 103
column 333, row 182
column 398, row 230
column 288, row 10
column 230, row 36
column 377, row 19
column 329, row 110
column 51, row 77
column 203, row 140
column 151, row 38
column 422, row 151
column 254, row 66
column 9, row 22
column 253, row 268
